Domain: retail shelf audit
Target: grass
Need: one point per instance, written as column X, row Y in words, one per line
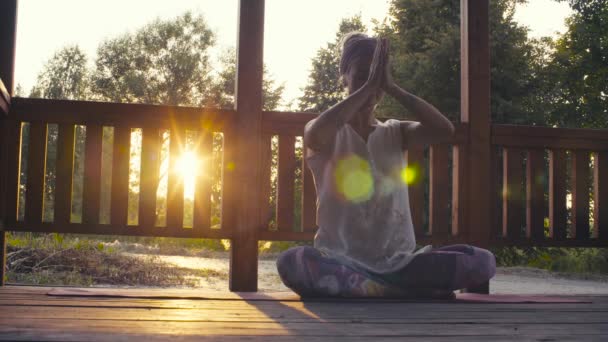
column 86, row 260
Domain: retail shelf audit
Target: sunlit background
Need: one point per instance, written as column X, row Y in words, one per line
column 294, row 30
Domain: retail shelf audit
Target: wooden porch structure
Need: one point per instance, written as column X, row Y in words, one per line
column 494, row 201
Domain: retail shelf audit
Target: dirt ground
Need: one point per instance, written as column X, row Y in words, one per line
column 515, row 280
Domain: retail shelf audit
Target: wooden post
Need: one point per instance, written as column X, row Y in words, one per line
column 247, row 171
column 8, row 30
column 475, row 110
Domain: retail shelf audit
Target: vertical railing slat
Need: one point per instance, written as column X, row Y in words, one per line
column 580, row 194
column 535, row 195
column 600, row 195
column 557, row 194
column 65, row 169
column 36, row 168
column 459, row 186
column 229, row 190
column 201, row 220
column 150, row 155
column 285, row 191
column 120, row 176
column 415, row 162
column 513, row 197
column 92, row 174
column 265, row 210
column 12, row 132
column 438, row 191
column 309, row 198
column 175, row 181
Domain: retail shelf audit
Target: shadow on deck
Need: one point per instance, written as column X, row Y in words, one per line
column 64, row 314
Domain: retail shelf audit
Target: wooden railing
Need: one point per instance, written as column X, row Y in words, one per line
column 548, row 182
column 529, row 175
column 122, row 119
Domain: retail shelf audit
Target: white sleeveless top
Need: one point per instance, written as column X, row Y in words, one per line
column 363, row 209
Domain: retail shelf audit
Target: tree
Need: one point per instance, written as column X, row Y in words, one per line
column 579, row 68
column 64, row 76
column 165, row 62
column 324, row 89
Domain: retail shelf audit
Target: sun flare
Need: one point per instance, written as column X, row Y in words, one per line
column 188, row 166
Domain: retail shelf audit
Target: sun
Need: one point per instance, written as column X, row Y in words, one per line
column 188, row 167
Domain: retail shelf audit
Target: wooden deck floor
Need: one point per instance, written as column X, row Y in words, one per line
column 29, row 313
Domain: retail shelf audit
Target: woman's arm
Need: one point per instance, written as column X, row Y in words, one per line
column 320, row 132
column 432, row 126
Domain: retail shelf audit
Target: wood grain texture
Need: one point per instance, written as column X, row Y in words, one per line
column 36, row 168
column 92, row 174
column 65, row 170
column 248, row 133
column 148, row 185
column 475, row 110
column 459, row 188
column 439, row 213
column 175, row 181
column 415, row 161
column 580, row 194
column 513, row 195
column 120, row 176
column 600, row 195
column 309, row 199
column 535, row 204
column 266, row 211
column 11, row 132
column 202, row 193
column 557, row 194
column 285, row 189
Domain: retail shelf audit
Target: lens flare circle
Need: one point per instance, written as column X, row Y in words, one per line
column 354, row 180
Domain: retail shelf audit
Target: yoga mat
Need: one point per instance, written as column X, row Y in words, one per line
column 290, row 296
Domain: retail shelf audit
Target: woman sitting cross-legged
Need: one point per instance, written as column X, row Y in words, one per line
column 365, row 243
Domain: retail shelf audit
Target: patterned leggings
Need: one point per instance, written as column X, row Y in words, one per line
column 434, row 274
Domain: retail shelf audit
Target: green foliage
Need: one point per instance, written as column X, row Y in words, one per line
column 324, row 88
column 579, row 68
column 64, row 76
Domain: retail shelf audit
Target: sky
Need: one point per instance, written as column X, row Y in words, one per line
column 294, row 29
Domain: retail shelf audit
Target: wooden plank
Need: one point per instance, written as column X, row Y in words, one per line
column 248, row 130
column 229, row 185
column 516, row 141
column 175, row 182
column 285, row 188
column 475, row 110
column 148, row 185
column 120, row 176
column 600, row 195
column 202, row 192
column 36, row 169
column 5, row 99
column 8, row 34
column 439, row 213
column 535, row 207
column 309, row 199
column 11, row 131
column 496, row 192
column 513, row 197
column 549, row 133
column 65, row 170
column 92, row 174
column 118, row 114
column 459, row 186
column 415, row 162
column 266, row 163
column 292, row 123
column 580, row 194
column 557, row 194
